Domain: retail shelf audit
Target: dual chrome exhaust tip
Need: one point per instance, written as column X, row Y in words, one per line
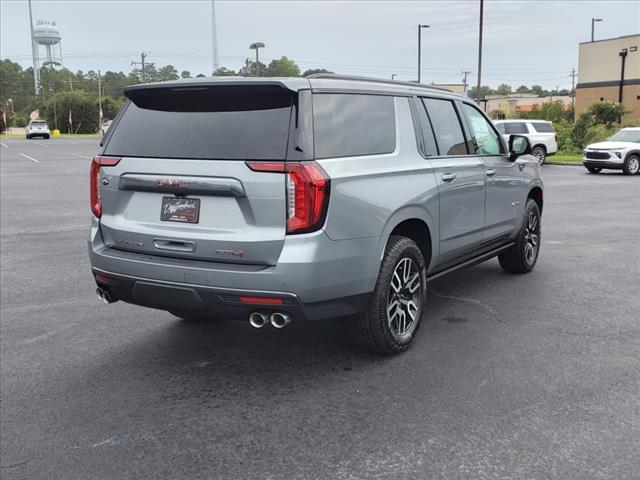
column 277, row 319
column 105, row 295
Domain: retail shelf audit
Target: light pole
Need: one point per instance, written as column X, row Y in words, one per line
column 393, row 76
column 480, row 53
column 420, row 27
column 593, row 26
column 257, row 46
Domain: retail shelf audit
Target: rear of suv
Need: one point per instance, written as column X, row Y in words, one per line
column 541, row 134
column 272, row 200
column 37, row 128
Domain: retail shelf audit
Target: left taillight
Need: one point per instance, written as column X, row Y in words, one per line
column 94, row 181
column 307, row 187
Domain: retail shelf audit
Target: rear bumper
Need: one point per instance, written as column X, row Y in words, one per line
column 315, row 276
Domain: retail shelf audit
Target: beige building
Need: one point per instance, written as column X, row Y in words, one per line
column 516, row 103
column 600, row 71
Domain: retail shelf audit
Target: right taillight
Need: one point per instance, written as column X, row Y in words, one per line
column 308, row 187
column 94, row 181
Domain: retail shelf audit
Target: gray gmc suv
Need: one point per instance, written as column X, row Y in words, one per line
column 295, row 199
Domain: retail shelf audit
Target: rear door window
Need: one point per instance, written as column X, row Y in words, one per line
column 513, row 128
column 446, row 126
column 216, row 122
column 543, row 127
column 347, row 125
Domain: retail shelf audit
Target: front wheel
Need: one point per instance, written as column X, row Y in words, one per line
column 522, row 257
column 631, row 165
column 392, row 318
column 540, row 153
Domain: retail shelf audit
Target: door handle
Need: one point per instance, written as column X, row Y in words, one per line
column 491, row 172
column 448, row 177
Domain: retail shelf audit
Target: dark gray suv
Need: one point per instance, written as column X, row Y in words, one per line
column 296, row 199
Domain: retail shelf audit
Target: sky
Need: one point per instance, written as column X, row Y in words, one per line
column 525, row 42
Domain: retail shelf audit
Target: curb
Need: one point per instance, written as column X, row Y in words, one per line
column 564, row 164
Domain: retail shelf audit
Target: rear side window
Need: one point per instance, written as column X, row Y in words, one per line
column 216, row 122
column 542, row 127
column 515, row 128
column 500, row 127
column 346, row 125
column 446, row 126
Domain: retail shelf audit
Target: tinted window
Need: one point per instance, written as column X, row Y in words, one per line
column 229, row 123
column 349, row 125
column 486, row 139
column 446, row 127
column 543, row 127
column 428, row 138
column 515, row 128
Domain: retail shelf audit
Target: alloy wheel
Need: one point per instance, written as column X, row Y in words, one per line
column 531, row 238
column 634, row 165
column 404, row 301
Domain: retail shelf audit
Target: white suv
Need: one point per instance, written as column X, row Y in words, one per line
column 38, row 128
column 621, row 151
column 541, row 134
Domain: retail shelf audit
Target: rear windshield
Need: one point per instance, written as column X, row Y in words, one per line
column 543, row 127
column 39, row 124
column 219, row 122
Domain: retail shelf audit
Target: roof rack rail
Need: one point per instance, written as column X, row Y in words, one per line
column 335, row 76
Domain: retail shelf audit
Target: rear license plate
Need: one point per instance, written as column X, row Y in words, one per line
column 184, row 210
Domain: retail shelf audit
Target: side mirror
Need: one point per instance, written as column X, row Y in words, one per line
column 518, row 145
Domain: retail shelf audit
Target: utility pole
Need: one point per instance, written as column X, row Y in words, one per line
column 99, row 100
column 34, row 52
column 464, row 80
column 420, row 27
column 71, row 85
column 143, row 56
column 480, row 52
column 573, row 76
column 214, row 37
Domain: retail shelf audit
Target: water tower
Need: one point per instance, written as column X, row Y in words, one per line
column 47, row 35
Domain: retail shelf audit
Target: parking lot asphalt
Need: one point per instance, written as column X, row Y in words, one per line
column 510, row 377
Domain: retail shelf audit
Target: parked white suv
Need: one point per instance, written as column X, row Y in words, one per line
column 621, row 151
column 541, row 134
column 38, row 128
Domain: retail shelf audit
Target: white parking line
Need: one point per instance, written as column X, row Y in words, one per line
column 78, row 155
column 4, row 146
column 40, row 145
column 30, row 158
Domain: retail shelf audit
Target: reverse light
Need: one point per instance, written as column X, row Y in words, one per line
column 308, row 187
column 94, row 181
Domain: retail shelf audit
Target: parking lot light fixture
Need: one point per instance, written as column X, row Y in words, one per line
column 593, row 25
column 257, row 46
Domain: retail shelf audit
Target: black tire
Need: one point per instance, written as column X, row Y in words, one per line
column 28, row 137
column 373, row 329
column 517, row 259
column 594, row 170
column 46, row 137
column 540, row 152
column 631, row 165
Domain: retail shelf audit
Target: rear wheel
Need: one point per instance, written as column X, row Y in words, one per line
column 392, row 318
column 540, row 153
column 594, row 170
column 522, row 257
column 631, row 165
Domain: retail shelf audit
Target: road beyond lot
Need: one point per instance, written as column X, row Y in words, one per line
column 510, row 377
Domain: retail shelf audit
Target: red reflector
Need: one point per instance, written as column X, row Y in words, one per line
column 94, row 181
column 106, row 280
column 275, row 167
column 261, row 300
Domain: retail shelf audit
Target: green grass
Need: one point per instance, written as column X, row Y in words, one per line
column 565, row 159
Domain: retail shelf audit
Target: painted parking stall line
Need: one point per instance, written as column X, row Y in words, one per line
column 30, row 158
column 3, row 145
column 79, row 156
